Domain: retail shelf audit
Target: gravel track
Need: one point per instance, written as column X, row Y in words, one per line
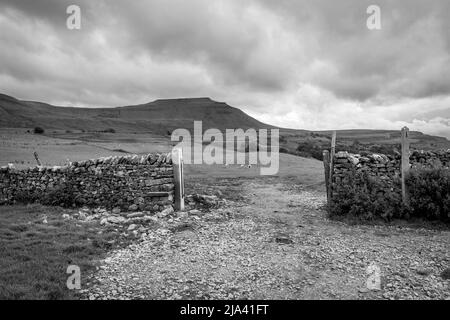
column 277, row 243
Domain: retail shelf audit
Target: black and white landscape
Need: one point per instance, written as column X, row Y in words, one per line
column 321, row 196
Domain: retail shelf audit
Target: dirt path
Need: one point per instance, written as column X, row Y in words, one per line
column 275, row 243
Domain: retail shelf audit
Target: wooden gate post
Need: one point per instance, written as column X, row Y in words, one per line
column 405, row 163
column 326, row 166
column 333, row 151
column 177, row 160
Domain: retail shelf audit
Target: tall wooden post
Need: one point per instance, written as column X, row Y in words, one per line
column 326, row 166
column 177, row 160
column 333, row 151
column 405, row 163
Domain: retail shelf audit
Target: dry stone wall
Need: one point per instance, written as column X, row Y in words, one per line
column 430, row 159
column 386, row 168
column 129, row 182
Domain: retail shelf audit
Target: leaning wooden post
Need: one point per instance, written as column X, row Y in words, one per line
column 177, row 160
column 405, row 163
column 326, row 166
column 333, row 151
column 37, row 159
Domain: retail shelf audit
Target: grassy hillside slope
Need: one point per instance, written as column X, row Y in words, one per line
column 157, row 119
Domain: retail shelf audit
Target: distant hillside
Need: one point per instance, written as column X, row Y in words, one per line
column 163, row 116
column 312, row 143
column 156, row 117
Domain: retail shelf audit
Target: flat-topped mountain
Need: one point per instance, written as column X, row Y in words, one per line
column 157, row 117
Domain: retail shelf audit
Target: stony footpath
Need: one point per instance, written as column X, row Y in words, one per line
column 275, row 244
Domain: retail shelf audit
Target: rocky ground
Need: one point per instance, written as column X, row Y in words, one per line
column 260, row 239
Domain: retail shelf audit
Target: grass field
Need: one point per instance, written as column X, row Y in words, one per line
column 58, row 147
column 17, row 146
column 35, row 255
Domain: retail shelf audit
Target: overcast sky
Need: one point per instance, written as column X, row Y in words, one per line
column 292, row 63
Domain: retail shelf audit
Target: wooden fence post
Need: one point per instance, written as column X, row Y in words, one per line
column 37, row 159
column 177, row 160
column 405, row 163
column 326, row 166
column 333, row 151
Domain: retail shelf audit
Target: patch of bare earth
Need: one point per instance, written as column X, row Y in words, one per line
column 274, row 243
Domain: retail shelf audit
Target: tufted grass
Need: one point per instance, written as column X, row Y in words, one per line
column 34, row 256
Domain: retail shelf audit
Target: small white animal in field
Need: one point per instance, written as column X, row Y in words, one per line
column 249, row 166
column 242, row 165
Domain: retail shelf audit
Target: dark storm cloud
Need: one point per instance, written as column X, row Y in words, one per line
column 392, row 60
column 232, row 43
column 226, row 39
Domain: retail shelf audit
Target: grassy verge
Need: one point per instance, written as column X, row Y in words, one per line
column 34, row 255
